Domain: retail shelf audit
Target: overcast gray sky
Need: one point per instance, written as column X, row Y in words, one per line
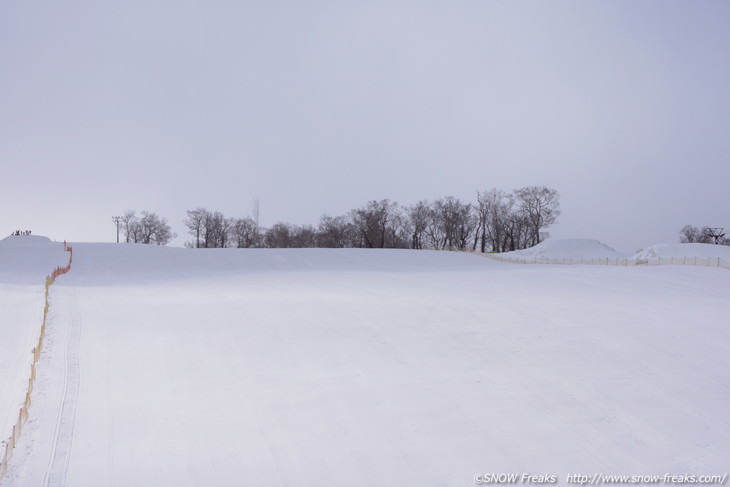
column 319, row 106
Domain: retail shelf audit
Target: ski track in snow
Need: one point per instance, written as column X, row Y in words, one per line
column 63, row 435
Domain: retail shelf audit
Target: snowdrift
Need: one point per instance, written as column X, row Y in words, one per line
column 700, row 250
column 576, row 248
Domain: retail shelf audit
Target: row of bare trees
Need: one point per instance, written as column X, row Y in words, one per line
column 213, row 230
column 498, row 221
column 149, row 228
column 693, row 234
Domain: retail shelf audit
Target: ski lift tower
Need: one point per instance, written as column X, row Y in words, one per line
column 715, row 233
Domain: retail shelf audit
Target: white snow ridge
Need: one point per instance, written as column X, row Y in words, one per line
column 315, row 367
column 576, row 248
column 700, row 250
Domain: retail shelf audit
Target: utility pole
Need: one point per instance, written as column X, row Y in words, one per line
column 117, row 220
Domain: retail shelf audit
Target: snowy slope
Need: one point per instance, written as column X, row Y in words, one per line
column 101, row 264
column 685, row 250
column 24, row 263
column 28, row 259
column 576, row 248
column 351, row 367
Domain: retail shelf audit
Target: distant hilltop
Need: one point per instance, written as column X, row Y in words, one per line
column 25, row 241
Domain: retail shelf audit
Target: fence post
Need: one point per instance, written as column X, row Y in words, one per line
column 4, row 464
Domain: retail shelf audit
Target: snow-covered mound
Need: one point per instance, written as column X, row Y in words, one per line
column 27, row 259
column 24, row 242
column 700, row 250
column 576, row 248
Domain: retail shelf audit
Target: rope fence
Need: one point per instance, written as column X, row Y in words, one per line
column 12, row 442
column 694, row 261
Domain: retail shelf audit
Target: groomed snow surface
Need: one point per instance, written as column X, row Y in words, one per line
column 24, row 263
column 313, row 367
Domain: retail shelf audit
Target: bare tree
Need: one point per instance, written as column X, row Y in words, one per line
column 216, row 230
column 518, row 232
column 304, row 236
column 689, row 234
column 495, row 209
column 540, row 206
column 245, row 233
column 466, row 225
column 451, row 223
column 154, row 229
column 222, row 230
column 374, row 221
column 129, row 223
column 147, row 229
column 397, row 233
column 704, row 236
column 196, row 224
column 483, row 213
column 418, row 218
column 336, row 232
column 278, row 236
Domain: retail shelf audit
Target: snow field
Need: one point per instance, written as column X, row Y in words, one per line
column 327, row 367
column 22, row 310
column 24, row 263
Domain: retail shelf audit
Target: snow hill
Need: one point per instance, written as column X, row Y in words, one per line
column 576, row 248
column 311, row 367
column 28, row 259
